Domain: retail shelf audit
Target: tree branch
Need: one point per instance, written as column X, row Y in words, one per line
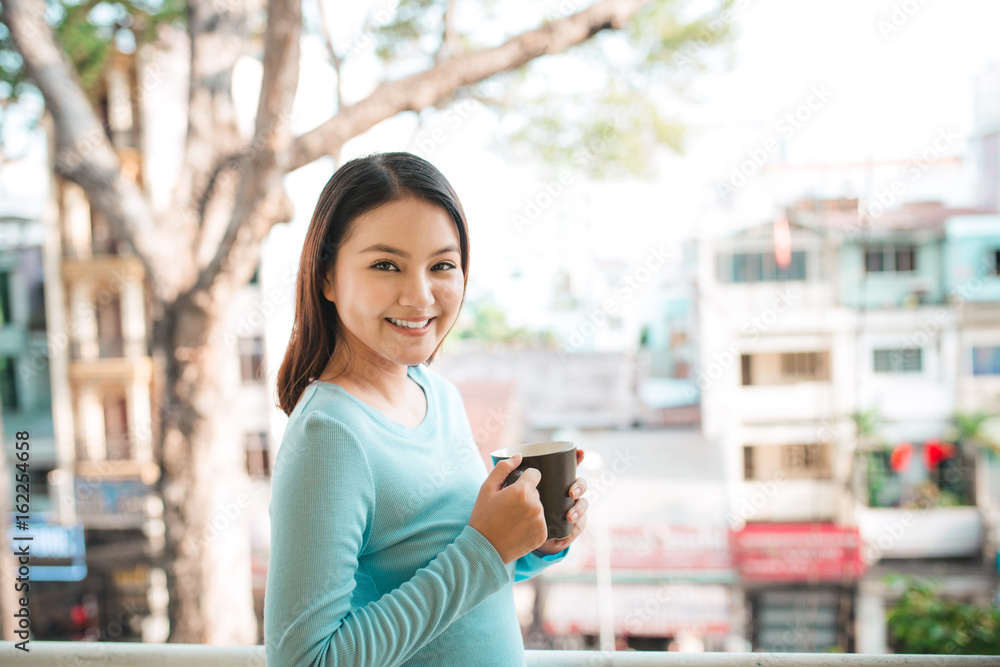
column 84, row 153
column 422, row 90
column 217, row 33
column 334, row 58
column 261, row 200
column 450, row 45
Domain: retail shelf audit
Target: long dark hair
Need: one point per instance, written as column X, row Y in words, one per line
column 359, row 186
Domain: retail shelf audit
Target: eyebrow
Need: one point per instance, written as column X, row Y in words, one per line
column 381, row 247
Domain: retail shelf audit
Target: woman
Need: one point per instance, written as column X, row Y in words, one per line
column 387, row 545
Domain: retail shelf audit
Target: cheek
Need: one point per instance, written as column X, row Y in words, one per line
column 451, row 292
column 367, row 295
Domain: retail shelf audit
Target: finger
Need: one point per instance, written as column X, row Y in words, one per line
column 578, row 488
column 531, row 476
column 500, row 471
column 564, row 542
column 578, row 510
column 579, row 456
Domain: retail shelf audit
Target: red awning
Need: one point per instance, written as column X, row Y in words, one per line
column 798, row 552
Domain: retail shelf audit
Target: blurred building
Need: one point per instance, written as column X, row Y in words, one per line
column 25, row 389
column 252, row 386
column 104, row 389
column 773, row 396
column 58, row 552
column 836, row 350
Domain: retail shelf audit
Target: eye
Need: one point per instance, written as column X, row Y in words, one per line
column 447, row 265
column 383, row 262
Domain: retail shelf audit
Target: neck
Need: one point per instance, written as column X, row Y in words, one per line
column 372, row 376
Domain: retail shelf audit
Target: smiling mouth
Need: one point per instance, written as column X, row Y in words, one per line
column 403, row 324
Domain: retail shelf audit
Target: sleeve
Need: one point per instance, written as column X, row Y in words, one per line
column 531, row 564
column 321, row 510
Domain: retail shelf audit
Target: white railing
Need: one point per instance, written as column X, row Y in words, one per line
column 82, row 654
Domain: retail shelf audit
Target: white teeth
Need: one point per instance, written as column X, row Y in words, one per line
column 409, row 325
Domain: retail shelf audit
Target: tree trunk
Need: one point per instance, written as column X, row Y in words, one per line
column 204, row 484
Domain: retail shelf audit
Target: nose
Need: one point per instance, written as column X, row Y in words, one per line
column 417, row 292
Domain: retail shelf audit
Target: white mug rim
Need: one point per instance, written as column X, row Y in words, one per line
column 541, row 448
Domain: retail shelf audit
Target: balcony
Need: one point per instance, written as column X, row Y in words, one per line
column 85, row 654
column 940, row 532
column 919, row 505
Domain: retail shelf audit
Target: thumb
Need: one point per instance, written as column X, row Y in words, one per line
column 500, row 471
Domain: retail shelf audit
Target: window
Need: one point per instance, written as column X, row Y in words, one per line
column 901, row 360
column 116, row 431
column 905, row 258
column 873, row 260
column 110, row 339
column 886, row 258
column 794, row 461
column 986, row 360
column 755, row 267
column 807, row 461
column 36, row 307
column 6, row 314
column 803, row 365
column 252, row 359
column 772, row 368
column 8, row 384
column 258, row 461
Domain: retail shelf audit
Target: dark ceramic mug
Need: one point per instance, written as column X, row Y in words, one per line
column 556, row 461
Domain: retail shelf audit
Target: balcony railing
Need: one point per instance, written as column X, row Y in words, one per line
column 58, row 654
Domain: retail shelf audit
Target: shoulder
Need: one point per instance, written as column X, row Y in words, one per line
column 319, row 425
column 322, row 405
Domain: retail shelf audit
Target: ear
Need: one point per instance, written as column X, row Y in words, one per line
column 328, row 285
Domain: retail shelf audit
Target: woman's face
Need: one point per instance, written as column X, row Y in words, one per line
column 401, row 262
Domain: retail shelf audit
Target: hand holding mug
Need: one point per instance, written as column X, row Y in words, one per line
column 559, row 489
column 510, row 516
column 577, row 515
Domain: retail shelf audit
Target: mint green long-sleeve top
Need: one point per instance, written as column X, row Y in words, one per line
column 373, row 560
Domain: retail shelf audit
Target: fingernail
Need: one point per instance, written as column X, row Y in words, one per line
column 573, row 516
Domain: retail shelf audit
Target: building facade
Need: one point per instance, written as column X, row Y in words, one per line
column 838, row 353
